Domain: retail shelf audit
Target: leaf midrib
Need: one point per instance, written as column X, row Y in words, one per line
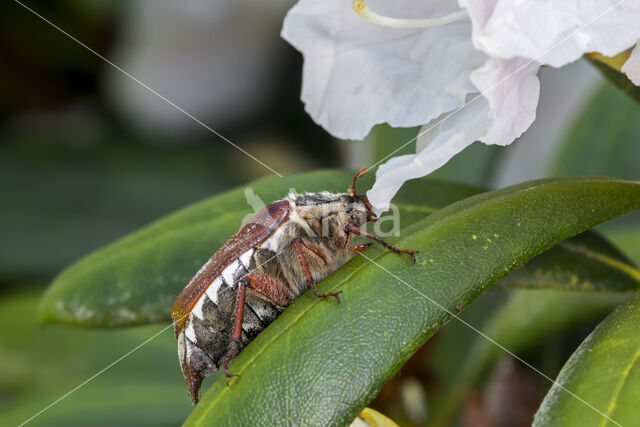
column 627, row 269
column 623, row 379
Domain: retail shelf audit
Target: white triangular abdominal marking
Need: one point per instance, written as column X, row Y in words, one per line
column 212, row 291
column 190, row 332
column 245, row 259
column 227, row 273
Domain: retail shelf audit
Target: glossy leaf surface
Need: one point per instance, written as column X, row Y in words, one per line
column 604, row 372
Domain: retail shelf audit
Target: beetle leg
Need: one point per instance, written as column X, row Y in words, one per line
column 360, row 248
column 303, row 243
column 299, row 243
column 236, row 335
column 355, row 230
column 270, row 288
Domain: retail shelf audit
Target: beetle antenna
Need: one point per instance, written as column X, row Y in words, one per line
column 352, row 190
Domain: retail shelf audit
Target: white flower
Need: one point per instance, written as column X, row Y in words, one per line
column 357, row 74
column 553, row 32
column 465, row 81
column 497, row 118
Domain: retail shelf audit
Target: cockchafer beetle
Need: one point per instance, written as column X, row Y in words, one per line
column 281, row 252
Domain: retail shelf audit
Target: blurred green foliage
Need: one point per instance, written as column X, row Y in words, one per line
column 604, row 139
column 66, row 200
column 41, row 364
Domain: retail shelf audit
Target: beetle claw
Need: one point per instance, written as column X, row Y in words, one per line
column 229, row 375
column 409, row 252
column 335, row 294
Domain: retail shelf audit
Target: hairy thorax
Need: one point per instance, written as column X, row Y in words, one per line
column 327, row 245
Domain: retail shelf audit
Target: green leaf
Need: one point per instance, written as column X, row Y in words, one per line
column 627, row 238
column 39, row 365
column 320, row 363
column 604, row 372
column 136, row 280
column 586, row 263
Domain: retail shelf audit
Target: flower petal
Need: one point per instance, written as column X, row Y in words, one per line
column 512, row 89
column 551, row 31
column 357, row 74
column 505, row 109
column 439, row 141
column 632, row 66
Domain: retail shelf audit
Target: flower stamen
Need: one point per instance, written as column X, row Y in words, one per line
column 361, row 8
